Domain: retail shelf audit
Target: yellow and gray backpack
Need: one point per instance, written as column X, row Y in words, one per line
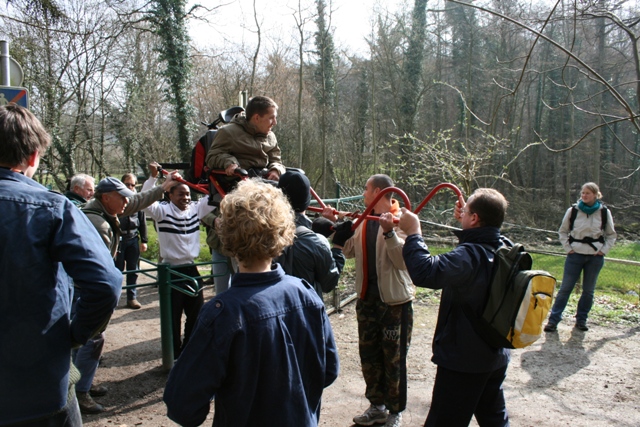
column 518, row 301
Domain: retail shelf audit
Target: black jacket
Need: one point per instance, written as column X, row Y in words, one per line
column 456, row 345
column 311, row 259
column 134, row 225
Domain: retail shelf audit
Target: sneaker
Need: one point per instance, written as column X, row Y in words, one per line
column 88, row 405
column 551, row 327
column 394, row 420
column 133, row 304
column 98, row 391
column 371, row 416
column 582, row 326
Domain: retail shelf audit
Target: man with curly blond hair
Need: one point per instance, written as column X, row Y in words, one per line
column 264, row 348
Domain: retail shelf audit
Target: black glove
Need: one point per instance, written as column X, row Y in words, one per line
column 322, row 225
column 343, row 233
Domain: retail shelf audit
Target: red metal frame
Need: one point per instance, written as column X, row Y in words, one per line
column 204, row 188
column 402, row 194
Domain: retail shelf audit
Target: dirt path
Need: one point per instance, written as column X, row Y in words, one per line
column 566, row 379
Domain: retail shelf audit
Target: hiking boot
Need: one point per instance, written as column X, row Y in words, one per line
column 551, row 327
column 582, row 326
column 88, row 405
column 371, row 416
column 98, row 391
column 394, row 420
column 133, row 304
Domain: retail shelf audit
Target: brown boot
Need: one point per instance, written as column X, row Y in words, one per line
column 133, row 304
column 88, row 405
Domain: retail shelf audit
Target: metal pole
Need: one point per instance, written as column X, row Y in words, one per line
column 5, row 60
column 166, row 330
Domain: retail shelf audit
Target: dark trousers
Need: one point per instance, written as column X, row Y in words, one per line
column 384, row 336
column 458, row 396
column 180, row 303
column 69, row 416
column 129, row 255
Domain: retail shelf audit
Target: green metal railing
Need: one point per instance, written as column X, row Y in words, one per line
column 164, row 277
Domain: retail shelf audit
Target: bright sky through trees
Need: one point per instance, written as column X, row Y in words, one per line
column 235, row 21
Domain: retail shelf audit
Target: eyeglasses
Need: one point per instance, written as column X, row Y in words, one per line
column 128, row 185
column 466, row 211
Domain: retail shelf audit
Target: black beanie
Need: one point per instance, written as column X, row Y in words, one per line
column 295, row 186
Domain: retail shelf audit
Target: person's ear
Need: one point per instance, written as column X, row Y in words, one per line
column 33, row 159
column 475, row 220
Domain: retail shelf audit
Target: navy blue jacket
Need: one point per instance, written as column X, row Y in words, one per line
column 46, row 244
column 264, row 349
column 456, row 345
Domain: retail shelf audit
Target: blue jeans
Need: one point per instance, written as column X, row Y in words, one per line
column 576, row 263
column 87, row 357
column 221, row 282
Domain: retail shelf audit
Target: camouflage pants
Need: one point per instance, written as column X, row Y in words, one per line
column 384, row 335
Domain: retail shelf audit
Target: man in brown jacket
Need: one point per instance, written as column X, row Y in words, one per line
column 248, row 142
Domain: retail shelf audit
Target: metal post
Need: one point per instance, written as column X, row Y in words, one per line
column 5, row 60
column 166, row 330
column 336, row 291
column 242, row 98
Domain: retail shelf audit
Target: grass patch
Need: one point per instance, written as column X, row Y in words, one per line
column 617, row 290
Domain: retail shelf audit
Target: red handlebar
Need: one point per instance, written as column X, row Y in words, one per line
column 402, row 194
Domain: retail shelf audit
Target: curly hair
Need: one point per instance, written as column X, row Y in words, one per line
column 256, row 221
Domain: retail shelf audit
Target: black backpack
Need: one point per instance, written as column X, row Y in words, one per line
column 197, row 170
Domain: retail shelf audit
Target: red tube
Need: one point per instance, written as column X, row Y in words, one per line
column 365, row 214
column 199, row 188
column 405, row 199
column 434, row 191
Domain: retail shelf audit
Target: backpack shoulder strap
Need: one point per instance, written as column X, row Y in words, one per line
column 287, row 255
column 572, row 218
column 89, row 211
column 93, row 212
column 603, row 222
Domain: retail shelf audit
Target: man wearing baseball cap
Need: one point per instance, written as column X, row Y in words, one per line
column 111, row 200
column 309, row 257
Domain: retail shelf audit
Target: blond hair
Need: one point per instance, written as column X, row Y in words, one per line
column 256, row 222
column 593, row 187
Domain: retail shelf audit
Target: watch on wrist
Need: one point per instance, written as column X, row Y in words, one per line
column 389, row 234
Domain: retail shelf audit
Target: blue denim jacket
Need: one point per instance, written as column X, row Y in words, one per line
column 264, row 348
column 43, row 236
column 456, row 345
